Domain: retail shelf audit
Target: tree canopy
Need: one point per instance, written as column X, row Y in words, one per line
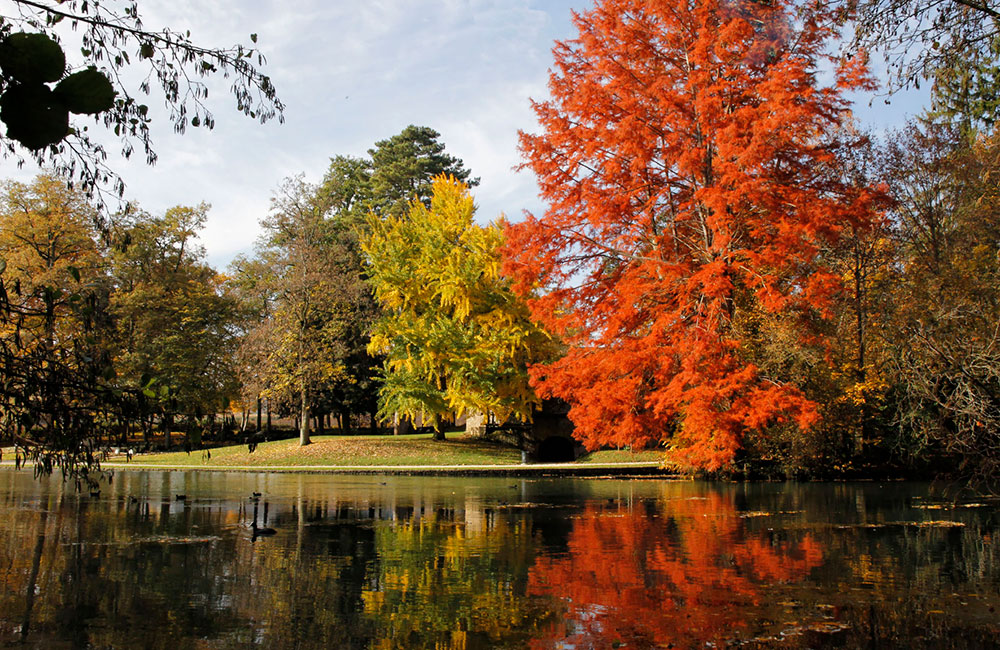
column 398, row 170
column 688, row 160
column 314, row 304
column 454, row 336
column 55, row 365
column 403, row 166
column 174, row 326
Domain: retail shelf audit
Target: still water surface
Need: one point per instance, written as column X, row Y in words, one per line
column 463, row 563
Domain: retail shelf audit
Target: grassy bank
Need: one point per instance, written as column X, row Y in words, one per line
column 367, row 451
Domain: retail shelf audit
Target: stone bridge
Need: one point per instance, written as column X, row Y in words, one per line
column 548, row 438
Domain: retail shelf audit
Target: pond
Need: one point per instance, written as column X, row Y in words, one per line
column 195, row 560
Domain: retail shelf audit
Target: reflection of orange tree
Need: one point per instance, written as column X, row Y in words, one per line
column 685, row 578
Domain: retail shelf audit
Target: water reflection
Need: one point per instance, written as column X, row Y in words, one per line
column 319, row 561
column 665, row 576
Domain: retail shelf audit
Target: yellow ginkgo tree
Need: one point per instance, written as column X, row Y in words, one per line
column 455, row 338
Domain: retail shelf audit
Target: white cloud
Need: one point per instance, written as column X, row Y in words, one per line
column 353, row 72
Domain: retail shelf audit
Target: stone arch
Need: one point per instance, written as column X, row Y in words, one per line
column 556, row 449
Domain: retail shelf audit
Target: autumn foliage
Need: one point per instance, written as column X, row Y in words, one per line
column 688, row 157
column 688, row 577
column 454, row 336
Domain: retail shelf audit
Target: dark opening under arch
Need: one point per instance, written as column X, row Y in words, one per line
column 556, row 449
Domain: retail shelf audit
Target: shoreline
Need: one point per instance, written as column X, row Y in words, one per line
column 640, row 469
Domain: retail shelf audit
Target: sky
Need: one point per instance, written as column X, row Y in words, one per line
column 352, row 72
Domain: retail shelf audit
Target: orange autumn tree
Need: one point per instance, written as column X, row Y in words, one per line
column 688, row 158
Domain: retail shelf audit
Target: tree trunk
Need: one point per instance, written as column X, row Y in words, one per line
column 167, row 423
column 439, row 430
column 258, row 412
column 304, row 419
column 36, row 562
column 268, row 429
column 859, row 289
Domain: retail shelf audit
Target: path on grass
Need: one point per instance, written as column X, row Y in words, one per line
column 643, row 468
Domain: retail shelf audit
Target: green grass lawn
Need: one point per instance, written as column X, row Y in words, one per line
column 377, row 451
column 622, row 456
column 381, row 451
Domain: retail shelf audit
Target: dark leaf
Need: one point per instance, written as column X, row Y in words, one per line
column 32, row 58
column 88, row 91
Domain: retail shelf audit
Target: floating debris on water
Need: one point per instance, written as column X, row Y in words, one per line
column 154, row 539
column 899, row 524
column 763, row 513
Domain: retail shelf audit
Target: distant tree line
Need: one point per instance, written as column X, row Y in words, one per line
column 126, row 331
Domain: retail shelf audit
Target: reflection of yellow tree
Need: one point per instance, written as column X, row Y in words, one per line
column 25, row 572
column 688, row 578
column 293, row 599
column 442, row 586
